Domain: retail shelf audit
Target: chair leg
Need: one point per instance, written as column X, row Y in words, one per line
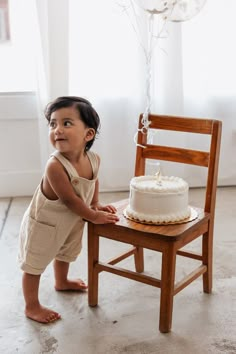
column 167, row 288
column 93, row 257
column 139, row 259
column 207, row 246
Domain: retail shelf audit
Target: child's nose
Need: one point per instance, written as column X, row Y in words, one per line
column 59, row 129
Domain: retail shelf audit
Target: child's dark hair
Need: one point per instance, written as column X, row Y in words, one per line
column 87, row 113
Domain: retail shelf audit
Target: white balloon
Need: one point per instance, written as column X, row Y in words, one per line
column 172, row 10
column 184, row 10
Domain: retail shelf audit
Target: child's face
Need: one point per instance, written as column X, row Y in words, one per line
column 67, row 131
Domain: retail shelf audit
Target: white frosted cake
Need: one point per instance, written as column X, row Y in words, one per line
column 158, row 200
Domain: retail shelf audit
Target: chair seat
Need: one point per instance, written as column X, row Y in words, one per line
column 169, row 232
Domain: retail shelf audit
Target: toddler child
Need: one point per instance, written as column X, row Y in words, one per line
column 52, row 226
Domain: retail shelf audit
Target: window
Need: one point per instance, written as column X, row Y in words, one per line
column 17, row 68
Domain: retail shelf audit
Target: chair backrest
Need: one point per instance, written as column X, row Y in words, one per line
column 208, row 159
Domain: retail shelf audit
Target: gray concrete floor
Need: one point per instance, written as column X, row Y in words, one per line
column 126, row 320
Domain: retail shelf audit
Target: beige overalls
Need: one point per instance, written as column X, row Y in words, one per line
column 50, row 230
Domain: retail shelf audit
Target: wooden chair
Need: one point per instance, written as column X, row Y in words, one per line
column 167, row 239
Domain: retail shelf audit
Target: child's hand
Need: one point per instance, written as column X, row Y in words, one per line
column 103, row 217
column 109, row 208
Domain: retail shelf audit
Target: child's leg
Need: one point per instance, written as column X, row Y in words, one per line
column 33, row 308
column 62, row 282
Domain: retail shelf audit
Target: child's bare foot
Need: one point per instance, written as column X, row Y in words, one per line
column 42, row 314
column 74, row 285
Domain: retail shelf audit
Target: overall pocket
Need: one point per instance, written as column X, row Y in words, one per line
column 41, row 243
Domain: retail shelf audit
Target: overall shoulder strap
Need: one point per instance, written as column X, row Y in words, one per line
column 66, row 163
column 94, row 162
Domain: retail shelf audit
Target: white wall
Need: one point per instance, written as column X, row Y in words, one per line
column 19, row 145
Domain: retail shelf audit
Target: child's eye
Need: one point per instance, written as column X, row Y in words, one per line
column 67, row 123
column 52, row 124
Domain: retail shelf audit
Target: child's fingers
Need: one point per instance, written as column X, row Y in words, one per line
column 110, row 209
column 112, row 218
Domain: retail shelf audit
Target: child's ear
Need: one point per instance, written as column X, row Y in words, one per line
column 90, row 134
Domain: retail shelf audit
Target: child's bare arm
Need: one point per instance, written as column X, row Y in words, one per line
column 59, row 182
